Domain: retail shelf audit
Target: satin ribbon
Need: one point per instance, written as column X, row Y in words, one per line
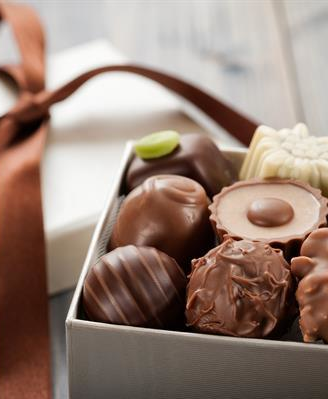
column 24, row 335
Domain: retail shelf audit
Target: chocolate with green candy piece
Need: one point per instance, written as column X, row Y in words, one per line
column 197, row 157
column 157, row 145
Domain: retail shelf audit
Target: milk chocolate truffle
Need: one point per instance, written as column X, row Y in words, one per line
column 167, row 212
column 197, row 157
column 135, row 286
column 240, row 288
column 311, row 268
column 278, row 212
column 312, row 296
column 288, row 153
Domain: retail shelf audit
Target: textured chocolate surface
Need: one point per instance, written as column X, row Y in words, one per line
column 316, row 244
column 312, row 296
column 137, row 286
column 276, row 211
column 240, row 288
column 197, row 157
column 167, row 212
column 311, row 268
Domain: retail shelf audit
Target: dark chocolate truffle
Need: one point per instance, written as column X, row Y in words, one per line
column 240, row 288
column 197, row 157
column 167, row 212
column 278, row 212
column 136, row 286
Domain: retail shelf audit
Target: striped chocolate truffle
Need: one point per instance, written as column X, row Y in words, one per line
column 135, row 286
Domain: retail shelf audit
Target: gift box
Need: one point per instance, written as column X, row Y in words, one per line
column 84, row 146
column 106, row 360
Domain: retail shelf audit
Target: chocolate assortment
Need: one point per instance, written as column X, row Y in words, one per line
column 167, row 212
column 196, row 157
column 136, row 286
column 240, row 288
column 185, row 212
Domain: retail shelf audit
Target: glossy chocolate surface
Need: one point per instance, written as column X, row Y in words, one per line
column 168, row 212
column 269, row 212
column 197, row 157
column 136, row 286
column 240, row 288
column 276, row 211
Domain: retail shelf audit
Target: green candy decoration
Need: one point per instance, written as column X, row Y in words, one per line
column 157, row 144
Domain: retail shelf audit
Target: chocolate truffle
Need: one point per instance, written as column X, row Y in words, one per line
column 312, row 296
column 167, row 212
column 136, row 286
column 288, row 153
column 197, row 157
column 279, row 212
column 311, row 268
column 240, row 288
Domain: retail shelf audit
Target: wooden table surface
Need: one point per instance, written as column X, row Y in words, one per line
column 266, row 57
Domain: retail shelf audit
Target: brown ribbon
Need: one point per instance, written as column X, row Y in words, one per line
column 24, row 336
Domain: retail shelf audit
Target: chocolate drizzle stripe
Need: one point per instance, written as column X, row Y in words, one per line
column 95, row 298
column 143, row 292
column 152, row 275
column 127, row 268
column 164, row 270
column 110, row 297
column 123, row 285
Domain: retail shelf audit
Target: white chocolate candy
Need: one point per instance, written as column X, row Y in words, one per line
column 288, row 153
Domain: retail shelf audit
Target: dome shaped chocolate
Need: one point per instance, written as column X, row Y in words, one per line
column 197, row 157
column 136, row 286
column 240, row 288
column 167, row 212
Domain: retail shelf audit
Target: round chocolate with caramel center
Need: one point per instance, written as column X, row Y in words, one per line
column 240, row 288
column 276, row 211
column 167, row 212
column 270, row 212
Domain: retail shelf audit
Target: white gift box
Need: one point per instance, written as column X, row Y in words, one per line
column 121, row 362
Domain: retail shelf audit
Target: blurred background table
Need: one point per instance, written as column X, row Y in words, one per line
column 268, row 58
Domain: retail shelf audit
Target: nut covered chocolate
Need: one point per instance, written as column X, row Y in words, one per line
column 311, row 268
column 136, row 286
column 276, row 211
column 197, row 157
column 168, row 212
column 240, row 288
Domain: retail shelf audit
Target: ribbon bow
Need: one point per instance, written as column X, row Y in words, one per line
column 24, row 335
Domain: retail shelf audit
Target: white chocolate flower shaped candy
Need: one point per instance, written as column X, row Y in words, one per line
column 288, row 153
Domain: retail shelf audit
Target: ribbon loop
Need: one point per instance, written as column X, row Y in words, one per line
column 29, row 108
